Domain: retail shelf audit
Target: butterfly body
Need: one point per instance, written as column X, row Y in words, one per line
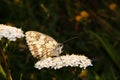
column 42, row 45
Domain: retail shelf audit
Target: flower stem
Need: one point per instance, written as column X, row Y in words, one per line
column 5, row 61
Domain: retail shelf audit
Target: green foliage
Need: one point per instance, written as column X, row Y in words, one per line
column 96, row 23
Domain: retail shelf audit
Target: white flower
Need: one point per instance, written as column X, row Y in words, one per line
column 44, row 63
column 64, row 61
column 9, row 32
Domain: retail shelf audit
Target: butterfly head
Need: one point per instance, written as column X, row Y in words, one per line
column 58, row 49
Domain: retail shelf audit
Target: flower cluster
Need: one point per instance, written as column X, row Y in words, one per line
column 64, row 61
column 9, row 32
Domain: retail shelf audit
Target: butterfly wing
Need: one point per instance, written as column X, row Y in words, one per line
column 40, row 45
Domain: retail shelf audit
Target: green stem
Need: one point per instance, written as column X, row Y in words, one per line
column 5, row 59
column 2, row 72
column 6, row 46
column 111, row 52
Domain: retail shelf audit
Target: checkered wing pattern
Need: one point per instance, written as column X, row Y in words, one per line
column 42, row 45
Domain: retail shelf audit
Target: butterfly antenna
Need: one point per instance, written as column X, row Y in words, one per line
column 70, row 39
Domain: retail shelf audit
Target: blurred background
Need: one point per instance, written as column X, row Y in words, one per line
column 95, row 23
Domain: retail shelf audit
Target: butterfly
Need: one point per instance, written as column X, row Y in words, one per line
column 42, row 46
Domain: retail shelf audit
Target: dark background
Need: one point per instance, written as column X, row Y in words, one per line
column 96, row 23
